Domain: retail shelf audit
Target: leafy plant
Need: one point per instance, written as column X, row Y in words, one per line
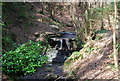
column 76, row 55
column 24, row 59
column 89, row 49
column 101, row 31
column 8, row 43
column 79, row 42
column 117, row 46
column 112, row 66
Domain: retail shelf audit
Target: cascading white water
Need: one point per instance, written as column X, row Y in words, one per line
column 58, row 52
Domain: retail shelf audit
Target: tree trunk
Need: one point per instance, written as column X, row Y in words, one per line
column 114, row 38
column 102, row 23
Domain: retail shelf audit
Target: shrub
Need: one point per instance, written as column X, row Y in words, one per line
column 24, row 59
column 8, row 43
column 19, row 12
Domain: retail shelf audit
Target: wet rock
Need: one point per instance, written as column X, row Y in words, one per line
column 51, row 75
column 47, row 33
column 41, row 76
column 54, row 28
column 49, row 69
column 59, row 58
column 62, row 40
column 37, row 34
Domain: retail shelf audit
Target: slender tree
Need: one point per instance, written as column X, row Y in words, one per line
column 114, row 37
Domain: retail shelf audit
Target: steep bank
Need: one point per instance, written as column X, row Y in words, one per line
column 97, row 60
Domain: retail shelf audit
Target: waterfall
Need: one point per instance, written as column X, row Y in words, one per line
column 60, row 46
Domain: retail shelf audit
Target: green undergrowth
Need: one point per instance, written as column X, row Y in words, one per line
column 24, row 59
column 80, row 55
column 87, row 48
column 101, row 31
column 16, row 13
column 8, row 43
column 75, row 56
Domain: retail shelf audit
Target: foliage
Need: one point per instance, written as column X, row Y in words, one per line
column 77, row 55
column 91, row 19
column 95, row 13
column 89, row 49
column 79, row 43
column 117, row 46
column 118, row 6
column 20, row 13
column 101, row 31
column 68, row 64
column 24, row 59
column 113, row 66
column 8, row 43
column 1, row 23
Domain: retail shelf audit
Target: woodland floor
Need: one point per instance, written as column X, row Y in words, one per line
column 41, row 26
column 96, row 65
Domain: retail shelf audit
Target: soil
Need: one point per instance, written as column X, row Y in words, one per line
column 96, row 64
column 41, row 24
column 39, row 27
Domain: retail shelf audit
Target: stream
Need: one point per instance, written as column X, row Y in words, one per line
column 48, row 71
column 56, row 56
column 52, row 70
